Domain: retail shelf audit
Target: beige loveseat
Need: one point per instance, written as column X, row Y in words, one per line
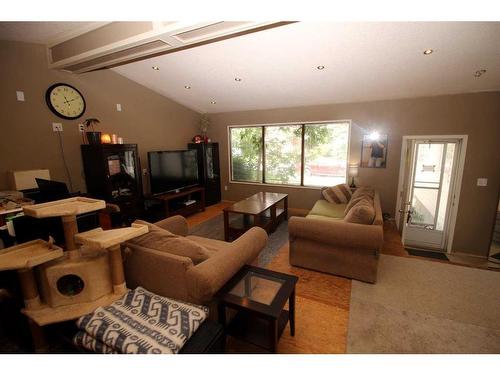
column 177, row 276
column 325, row 242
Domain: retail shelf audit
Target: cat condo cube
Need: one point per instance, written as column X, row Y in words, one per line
column 71, row 283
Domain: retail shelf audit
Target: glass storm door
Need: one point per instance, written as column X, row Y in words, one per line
column 429, row 196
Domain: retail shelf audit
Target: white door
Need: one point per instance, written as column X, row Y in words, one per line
column 429, row 192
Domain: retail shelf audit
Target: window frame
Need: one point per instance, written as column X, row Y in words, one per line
column 263, row 150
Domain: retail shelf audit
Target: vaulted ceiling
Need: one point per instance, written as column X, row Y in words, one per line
column 278, row 67
column 362, row 62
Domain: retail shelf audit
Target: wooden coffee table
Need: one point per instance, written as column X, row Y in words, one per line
column 259, row 296
column 261, row 209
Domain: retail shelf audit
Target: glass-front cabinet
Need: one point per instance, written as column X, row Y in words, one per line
column 112, row 173
column 121, row 173
column 208, row 170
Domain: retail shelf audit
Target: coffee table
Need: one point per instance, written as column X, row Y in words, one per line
column 260, row 210
column 259, row 297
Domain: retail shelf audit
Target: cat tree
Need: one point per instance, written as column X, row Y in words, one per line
column 74, row 282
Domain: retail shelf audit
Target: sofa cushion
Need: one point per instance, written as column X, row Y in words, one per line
column 319, row 217
column 355, row 200
column 362, row 212
column 337, row 194
column 324, row 208
column 163, row 240
column 210, row 244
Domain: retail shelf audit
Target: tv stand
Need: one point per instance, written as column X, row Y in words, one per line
column 175, row 203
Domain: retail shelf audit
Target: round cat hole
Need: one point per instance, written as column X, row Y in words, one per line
column 70, row 285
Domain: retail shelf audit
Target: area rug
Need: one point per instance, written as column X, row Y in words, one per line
column 214, row 228
column 322, row 300
column 418, row 306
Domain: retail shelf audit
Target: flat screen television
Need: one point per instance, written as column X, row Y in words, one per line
column 172, row 170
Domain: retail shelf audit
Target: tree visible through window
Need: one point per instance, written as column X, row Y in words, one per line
column 283, row 145
column 301, row 154
column 325, row 154
column 246, row 154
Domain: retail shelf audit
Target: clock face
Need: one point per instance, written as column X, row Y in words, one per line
column 65, row 101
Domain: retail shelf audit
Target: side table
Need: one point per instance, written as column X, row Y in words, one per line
column 259, row 297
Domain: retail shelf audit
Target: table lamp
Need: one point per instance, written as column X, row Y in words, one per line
column 353, row 172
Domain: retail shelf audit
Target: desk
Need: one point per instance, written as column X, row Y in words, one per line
column 4, row 213
column 12, row 202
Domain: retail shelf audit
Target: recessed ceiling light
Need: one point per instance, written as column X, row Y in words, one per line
column 320, row 67
column 479, row 73
column 428, row 51
column 187, row 87
column 155, row 67
column 237, row 79
column 213, row 102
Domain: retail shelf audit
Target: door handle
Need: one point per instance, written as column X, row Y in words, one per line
column 404, row 204
column 410, row 212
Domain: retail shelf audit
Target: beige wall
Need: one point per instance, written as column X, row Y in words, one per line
column 155, row 122
column 26, row 137
column 477, row 115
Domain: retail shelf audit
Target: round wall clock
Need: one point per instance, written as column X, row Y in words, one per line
column 65, row 101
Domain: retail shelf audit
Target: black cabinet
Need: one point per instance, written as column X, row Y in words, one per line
column 208, row 170
column 113, row 173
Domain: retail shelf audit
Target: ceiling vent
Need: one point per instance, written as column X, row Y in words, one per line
column 114, row 58
column 118, row 43
column 209, row 31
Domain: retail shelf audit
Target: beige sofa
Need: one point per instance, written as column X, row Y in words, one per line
column 177, row 276
column 323, row 241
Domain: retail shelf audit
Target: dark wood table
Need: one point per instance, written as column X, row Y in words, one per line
column 260, row 210
column 259, row 297
column 173, row 202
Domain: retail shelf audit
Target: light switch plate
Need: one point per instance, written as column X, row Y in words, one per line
column 119, row 107
column 20, row 96
column 482, row 182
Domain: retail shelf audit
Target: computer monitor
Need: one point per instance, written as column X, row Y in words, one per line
column 51, row 190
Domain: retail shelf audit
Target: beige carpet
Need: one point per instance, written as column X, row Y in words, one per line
column 419, row 306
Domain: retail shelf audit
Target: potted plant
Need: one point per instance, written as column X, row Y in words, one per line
column 93, row 137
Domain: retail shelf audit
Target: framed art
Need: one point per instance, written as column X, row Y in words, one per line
column 374, row 151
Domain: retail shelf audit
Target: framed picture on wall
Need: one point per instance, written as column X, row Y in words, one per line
column 374, row 151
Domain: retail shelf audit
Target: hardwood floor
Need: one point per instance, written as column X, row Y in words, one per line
column 322, row 304
column 210, row 212
column 322, row 300
column 393, row 246
column 322, row 310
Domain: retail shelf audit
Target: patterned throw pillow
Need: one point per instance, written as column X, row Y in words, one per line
column 337, row 194
column 140, row 322
column 362, row 212
column 355, row 200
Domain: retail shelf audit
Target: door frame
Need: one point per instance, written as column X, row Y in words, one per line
column 457, row 183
